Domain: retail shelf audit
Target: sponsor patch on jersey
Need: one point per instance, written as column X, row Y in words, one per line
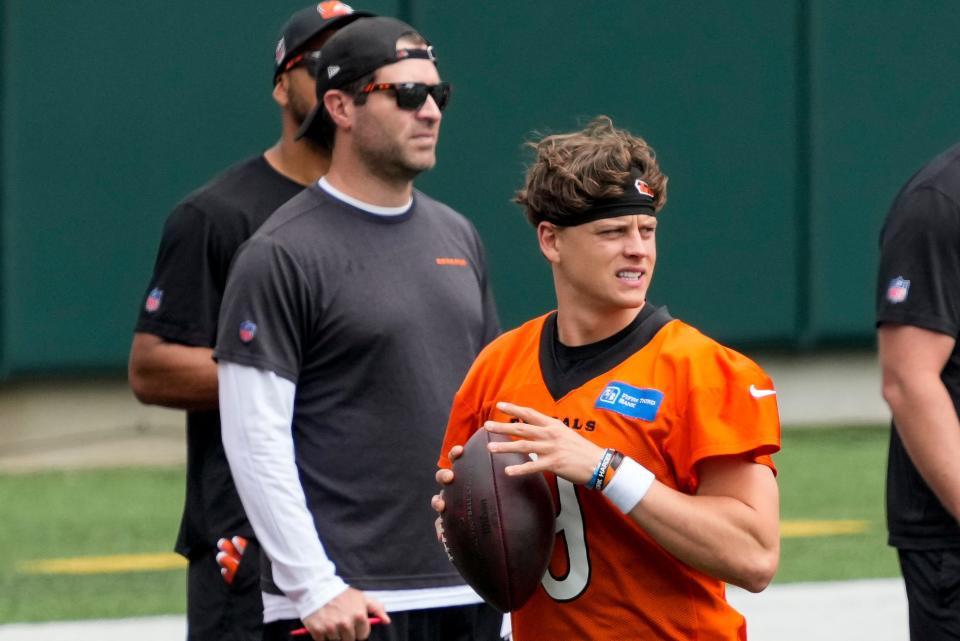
column 898, row 289
column 453, row 262
column 248, row 329
column 635, row 402
column 154, row 298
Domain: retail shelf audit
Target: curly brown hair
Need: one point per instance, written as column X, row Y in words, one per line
column 571, row 171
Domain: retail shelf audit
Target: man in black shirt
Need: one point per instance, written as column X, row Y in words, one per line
column 918, row 320
column 170, row 358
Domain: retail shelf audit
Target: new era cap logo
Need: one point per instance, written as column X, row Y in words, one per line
column 333, row 70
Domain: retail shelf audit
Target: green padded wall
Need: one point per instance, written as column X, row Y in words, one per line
column 785, row 128
column 113, row 111
column 883, row 102
column 711, row 89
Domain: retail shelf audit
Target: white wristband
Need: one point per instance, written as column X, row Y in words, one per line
column 629, row 485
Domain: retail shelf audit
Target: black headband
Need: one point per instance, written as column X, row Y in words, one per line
column 637, row 198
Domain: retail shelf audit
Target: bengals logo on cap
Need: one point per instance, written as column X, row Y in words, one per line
column 332, row 9
column 281, row 51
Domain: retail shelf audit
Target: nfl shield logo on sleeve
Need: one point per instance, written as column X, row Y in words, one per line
column 898, row 289
column 154, row 298
column 248, row 329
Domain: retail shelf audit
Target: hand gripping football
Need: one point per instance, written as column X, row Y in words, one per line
column 499, row 529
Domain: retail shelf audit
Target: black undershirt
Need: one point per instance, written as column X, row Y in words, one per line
column 567, row 368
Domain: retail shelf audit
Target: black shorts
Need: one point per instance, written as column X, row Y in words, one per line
column 932, row 579
column 220, row 612
column 458, row 623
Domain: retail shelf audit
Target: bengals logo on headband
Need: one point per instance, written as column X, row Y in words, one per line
column 644, row 189
column 333, row 9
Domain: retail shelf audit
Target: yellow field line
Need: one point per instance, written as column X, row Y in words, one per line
column 169, row 561
column 105, row 564
column 799, row 529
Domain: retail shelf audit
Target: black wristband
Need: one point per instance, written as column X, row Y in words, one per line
column 616, row 460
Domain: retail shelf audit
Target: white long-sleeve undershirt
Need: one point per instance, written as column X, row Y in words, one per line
column 256, row 410
column 256, row 413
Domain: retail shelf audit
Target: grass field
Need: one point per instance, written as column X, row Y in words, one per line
column 826, row 476
column 834, row 474
column 68, row 514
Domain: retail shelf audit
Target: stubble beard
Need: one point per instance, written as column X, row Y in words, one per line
column 299, row 107
column 389, row 162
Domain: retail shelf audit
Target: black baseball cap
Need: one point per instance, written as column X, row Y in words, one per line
column 360, row 48
column 309, row 23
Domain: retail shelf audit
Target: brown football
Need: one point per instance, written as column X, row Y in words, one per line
column 499, row 529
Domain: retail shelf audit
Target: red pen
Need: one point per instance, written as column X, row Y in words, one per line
column 301, row 631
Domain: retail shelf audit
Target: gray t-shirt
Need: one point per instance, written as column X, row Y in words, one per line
column 376, row 319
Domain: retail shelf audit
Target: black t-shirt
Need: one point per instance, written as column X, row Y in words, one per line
column 377, row 320
column 181, row 305
column 919, row 284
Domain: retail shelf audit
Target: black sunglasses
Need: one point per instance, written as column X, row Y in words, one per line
column 306, row 58
column 412, row 95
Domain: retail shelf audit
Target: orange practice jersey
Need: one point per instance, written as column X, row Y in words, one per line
column 678, row 399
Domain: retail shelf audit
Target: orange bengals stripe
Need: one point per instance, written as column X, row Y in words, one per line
column 458, row 262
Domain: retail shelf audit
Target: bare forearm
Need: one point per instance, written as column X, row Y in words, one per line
column 172, row 375
column 927, row 423
column 719, row 535
column 729, row 529
column 912, row 359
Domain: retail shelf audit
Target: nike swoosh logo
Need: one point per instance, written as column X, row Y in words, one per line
column 760, row 393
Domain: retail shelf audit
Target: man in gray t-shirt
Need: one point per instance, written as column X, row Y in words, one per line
column 348, row 322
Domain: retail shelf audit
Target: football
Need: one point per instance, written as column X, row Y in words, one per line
column 498, row 529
